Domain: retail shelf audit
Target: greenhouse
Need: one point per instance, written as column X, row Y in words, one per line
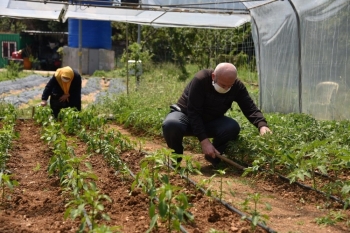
column 301, row 47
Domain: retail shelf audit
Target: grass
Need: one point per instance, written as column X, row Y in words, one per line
column 7, row 75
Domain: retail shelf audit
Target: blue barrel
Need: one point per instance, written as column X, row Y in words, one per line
column 95, row 34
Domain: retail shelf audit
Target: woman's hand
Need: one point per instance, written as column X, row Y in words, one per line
column 43, row 103
column 64, row 98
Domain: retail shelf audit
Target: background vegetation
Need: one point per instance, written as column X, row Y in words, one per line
column 203, row 47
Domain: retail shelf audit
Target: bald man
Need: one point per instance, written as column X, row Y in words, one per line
column 200, row 112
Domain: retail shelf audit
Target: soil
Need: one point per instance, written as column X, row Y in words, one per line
column 38, row 203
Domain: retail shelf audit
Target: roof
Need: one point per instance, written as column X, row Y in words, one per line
column 32, row 32
column 169, row 13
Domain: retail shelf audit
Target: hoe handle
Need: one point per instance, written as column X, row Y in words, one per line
column 229, row 161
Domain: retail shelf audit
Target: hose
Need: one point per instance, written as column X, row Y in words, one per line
column 228, row 206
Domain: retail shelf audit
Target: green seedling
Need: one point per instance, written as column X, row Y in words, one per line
column 205, row 184
column 221, row 173
column 331, row 219
column 256, row 216
column 215, row 231
column 42, row 115
column 124, row 171
column 92, row 200
column 191, row 166
column 70, row 119
column 37, row 167
column 106, row 229
column 172, row 208
column 75, row 178
column 5, row 181
column 148, row 175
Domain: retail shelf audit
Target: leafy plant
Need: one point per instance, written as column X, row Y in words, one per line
column 42, row 115
column 92, row 200
column 75, row 178
column 331, row 219
column 70, row 120
column 13, row 69
column 149, row 173
column 6, row 181
column 172, row 207
column 256, row 216
column 190, row 167
column 221, row 173
column 205, row 185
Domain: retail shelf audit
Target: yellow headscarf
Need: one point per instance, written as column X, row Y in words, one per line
column 67, row 73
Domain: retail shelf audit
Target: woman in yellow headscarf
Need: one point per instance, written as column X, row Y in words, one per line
column 64, row 90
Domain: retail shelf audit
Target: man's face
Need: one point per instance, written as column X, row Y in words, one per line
column 223, row 82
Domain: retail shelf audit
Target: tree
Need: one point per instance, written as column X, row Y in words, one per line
column 12, row 25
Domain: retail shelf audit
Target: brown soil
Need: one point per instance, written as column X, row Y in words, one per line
column 38, row 203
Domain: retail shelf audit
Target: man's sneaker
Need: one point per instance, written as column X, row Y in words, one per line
column 177, row 163
column 178, row 159
column 214, row 161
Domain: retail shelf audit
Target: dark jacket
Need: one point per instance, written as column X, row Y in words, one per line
column 202, row 103
column 52, row 88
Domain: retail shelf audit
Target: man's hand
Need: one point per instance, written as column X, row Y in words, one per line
column 43, row 103
column 208, row 148
column 64, row 98
column 264, row 129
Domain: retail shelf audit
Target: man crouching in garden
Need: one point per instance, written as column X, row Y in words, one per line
column 200, row 112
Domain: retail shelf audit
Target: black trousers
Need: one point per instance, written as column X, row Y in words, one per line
column 56, row 105
column 177, row 125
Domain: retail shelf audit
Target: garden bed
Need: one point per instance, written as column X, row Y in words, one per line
column 38, row 204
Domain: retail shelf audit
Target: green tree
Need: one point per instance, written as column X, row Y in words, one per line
column 12, row 25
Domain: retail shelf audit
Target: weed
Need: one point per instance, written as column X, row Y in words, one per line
column 37, row 167
column 331, row 218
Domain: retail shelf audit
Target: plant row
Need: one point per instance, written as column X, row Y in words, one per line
column 167, row 204
column 75, row 174
column 318, row 156
column 7, row 133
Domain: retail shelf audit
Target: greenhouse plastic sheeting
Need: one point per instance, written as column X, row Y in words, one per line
column 169, row 13
column 276, row 47
column 158, row 18
column 23, row 9
column 213, row 5
column 303, row 52
column 217, row 5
